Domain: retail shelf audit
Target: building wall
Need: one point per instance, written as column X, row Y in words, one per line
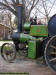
column 4, row 31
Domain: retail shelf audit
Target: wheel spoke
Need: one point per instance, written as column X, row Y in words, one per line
column 53, row 59
column 54, row 53
column 52, row 46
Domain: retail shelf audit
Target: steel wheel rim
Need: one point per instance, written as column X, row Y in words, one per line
column 50, row 54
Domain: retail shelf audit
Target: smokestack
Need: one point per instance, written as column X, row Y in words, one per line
column 20, row 16
column 16, row 36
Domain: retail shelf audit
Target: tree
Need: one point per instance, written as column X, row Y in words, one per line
column 11, row 25
column 4, row 19
column 11, row 5
column 43, row 7
column 47, row 9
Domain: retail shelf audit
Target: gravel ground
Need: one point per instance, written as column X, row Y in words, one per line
column 34, row 67
column 23, row 64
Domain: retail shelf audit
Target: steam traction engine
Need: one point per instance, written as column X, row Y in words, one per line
column 35, row 41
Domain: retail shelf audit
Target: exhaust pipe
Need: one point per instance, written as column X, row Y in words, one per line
column 19, row 18
column 16, row 36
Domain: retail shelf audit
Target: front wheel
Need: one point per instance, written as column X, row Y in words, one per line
column 50, row 53
column 8, row 52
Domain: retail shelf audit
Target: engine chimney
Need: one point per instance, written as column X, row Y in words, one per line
column 16, row 36
column 20, row 16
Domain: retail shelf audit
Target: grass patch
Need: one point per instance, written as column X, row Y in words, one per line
column 14, row 73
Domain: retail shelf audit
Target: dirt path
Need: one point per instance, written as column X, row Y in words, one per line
column 24, row 65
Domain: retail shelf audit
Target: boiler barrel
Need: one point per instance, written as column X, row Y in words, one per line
column 52, row 26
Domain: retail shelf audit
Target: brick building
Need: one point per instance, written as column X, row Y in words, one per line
column 4, row 32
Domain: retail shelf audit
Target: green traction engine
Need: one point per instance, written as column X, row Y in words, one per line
column 26, row 43
column 36, row 35
column 35, row 41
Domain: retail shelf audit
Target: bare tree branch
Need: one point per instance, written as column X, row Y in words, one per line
column 9, row 8
column 33, row 5
column 28, row 6
column 52, row 6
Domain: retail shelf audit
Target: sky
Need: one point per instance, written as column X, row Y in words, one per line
column 53, row 11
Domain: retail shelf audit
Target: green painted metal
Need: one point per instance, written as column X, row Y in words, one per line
column 26, row 37
column 38, row 39
column 38, row 48
column 39, row 30
column 27, row 26
column 32, row 49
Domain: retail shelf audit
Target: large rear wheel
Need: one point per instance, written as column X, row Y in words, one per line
column 50, row 53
